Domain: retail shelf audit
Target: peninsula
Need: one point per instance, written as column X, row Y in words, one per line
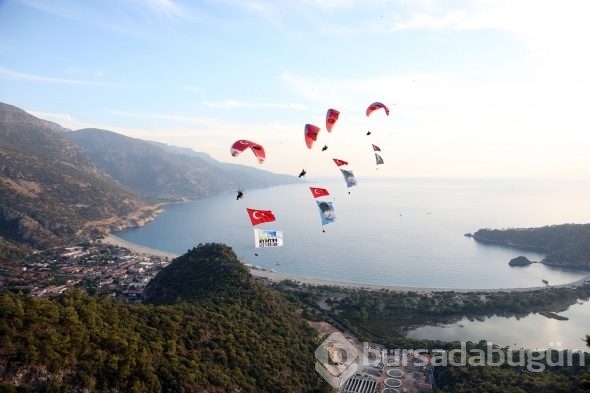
column 566, row 245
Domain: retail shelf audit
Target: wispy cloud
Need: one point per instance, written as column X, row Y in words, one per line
column 163, row 8
column 456, row 20
column 265, row 10
column 7, row 73
column 244, row 104
column 203, row 121
column 128, row 17
column 556, row 37
column 63, row 119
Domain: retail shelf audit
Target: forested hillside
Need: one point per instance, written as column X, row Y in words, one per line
column 566, row 245
column 234, row 335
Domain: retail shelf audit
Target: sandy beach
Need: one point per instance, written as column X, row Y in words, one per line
column 135, row 248
column 277, row 277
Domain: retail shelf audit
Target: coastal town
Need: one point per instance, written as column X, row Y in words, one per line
column 99, row 267
column 109, row 266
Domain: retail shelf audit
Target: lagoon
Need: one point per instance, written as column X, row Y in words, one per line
column 531, row 331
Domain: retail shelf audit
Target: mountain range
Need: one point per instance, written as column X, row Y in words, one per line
column 158, row 171
column 58, row 184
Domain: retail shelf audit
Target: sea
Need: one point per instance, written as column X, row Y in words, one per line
column 401, row 232
column 393, row 231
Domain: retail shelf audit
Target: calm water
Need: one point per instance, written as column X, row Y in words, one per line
column 516, row 333
column 391, row 232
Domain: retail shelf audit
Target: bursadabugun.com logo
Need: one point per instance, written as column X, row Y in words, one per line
column 534, row 360
column 336, row 359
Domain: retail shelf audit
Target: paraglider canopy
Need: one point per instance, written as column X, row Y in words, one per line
column 311, row 134
column 239, row 146
column 375, row 106
column 331, row 118
column 378, row 159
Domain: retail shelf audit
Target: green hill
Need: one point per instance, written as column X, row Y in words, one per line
column 213, row 329
column 203, row 274
column 566, row 245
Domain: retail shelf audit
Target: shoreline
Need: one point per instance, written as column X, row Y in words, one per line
column 136, row 248
column 277, row 277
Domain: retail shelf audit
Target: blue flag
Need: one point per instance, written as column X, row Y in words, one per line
column 348, row 177
column 326, row 212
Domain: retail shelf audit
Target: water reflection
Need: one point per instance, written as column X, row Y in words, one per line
column 531, row 331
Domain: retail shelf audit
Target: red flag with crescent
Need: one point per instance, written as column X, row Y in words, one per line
column 318, row 192
column 259, row 216
column 340, row 162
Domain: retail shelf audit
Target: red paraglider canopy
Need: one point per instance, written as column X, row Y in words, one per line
column 331, row 118
column 241, row 145
column 375, row 106
column 311, row 134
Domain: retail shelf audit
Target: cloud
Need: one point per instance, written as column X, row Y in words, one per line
column 349, row 93
column 171, row 117
column 259, row 105
column 63, row 119
column 555, row 38
column 452, row 20
column 163, row 8
column 127, row 17
column 543, row 25
column 12, row 74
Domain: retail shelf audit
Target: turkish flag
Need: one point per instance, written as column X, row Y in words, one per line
column 260, row 216
column 318, row 192
column 340, row 162
column 376, row 148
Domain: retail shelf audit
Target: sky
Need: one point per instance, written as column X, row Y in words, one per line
column 476, row 89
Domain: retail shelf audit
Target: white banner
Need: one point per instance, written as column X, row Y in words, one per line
column 267, row 238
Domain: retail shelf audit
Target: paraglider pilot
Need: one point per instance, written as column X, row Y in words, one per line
column 240, row 195
column 325, row 148
column 302, row 173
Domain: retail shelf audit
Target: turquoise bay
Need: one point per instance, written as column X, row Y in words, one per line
column 404, row 232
